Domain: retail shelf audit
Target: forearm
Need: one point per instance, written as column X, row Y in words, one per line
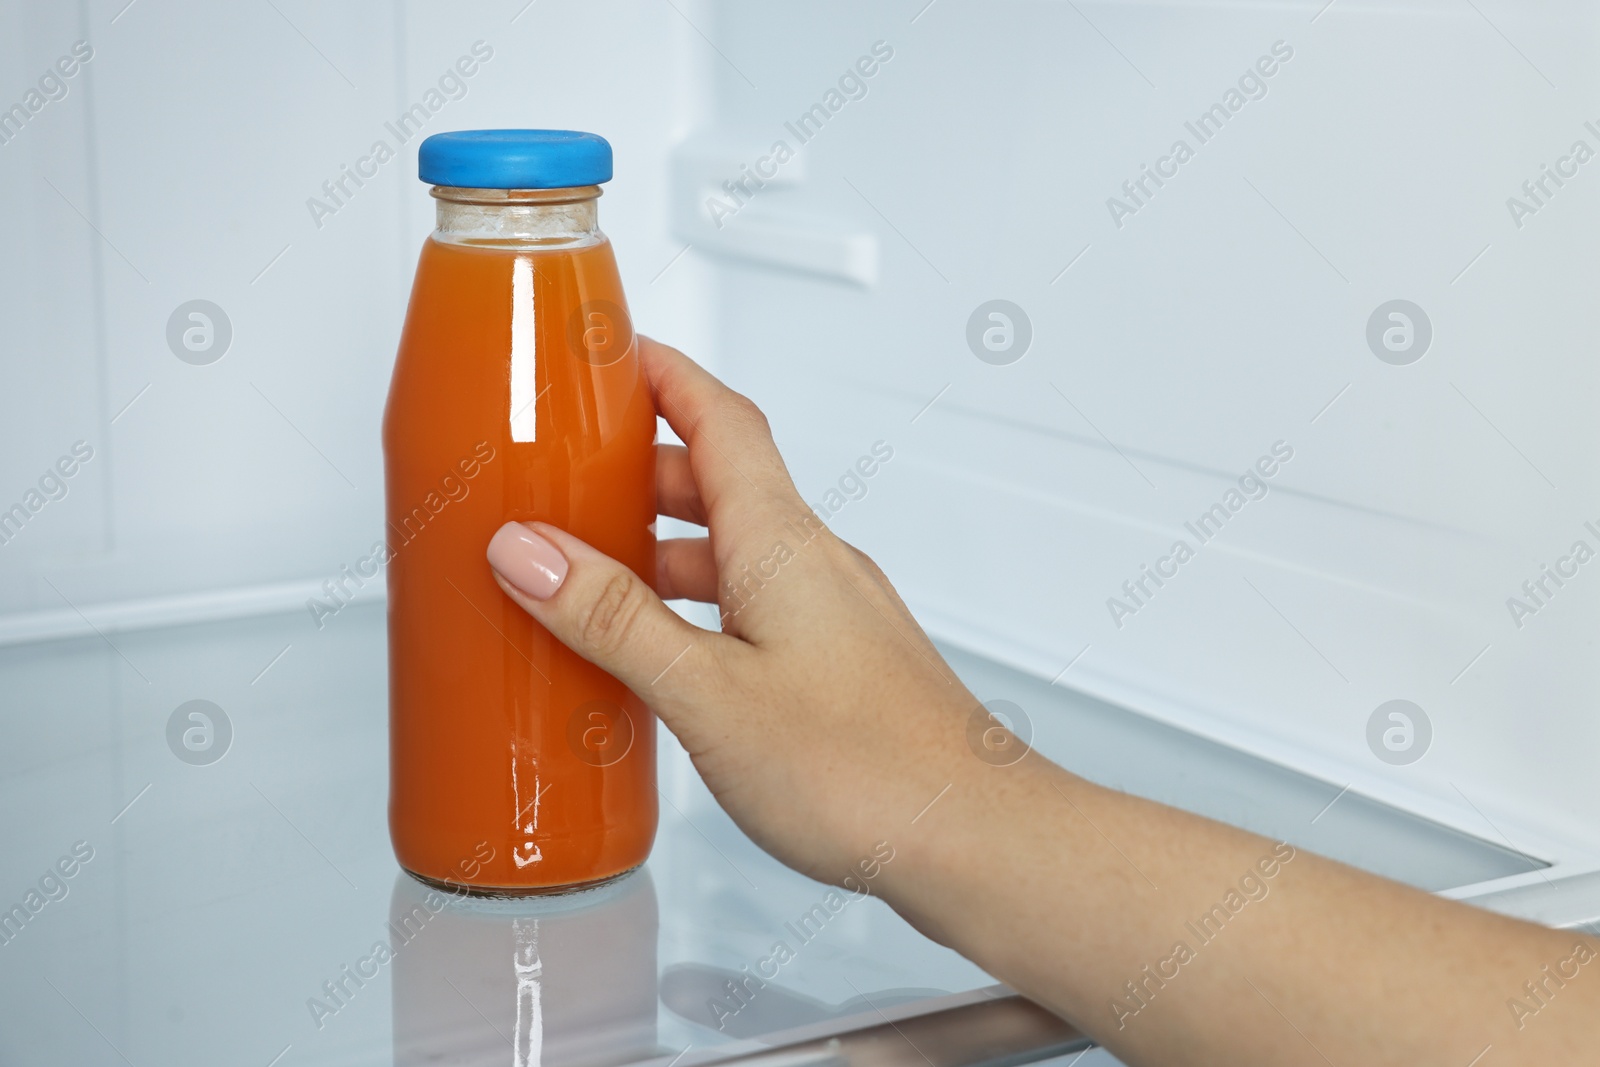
column 1174, row 939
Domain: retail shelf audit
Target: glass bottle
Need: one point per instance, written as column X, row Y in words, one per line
column 515, row 766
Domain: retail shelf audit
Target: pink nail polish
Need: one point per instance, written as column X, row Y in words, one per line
column 527, row 561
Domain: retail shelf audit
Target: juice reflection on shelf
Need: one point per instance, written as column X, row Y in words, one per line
column 565, row 981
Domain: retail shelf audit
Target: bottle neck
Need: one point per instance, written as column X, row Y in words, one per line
column 518, row 218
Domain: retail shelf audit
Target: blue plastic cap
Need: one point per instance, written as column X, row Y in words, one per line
column 515, row 159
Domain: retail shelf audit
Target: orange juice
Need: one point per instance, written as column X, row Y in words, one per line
column 515, row 766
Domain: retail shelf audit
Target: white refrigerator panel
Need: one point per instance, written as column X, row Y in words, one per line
column 261, row 160
column 1202, row 216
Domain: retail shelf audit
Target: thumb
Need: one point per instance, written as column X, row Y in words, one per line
column 598, row 608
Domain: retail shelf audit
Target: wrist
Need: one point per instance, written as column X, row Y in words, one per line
column 970, row 861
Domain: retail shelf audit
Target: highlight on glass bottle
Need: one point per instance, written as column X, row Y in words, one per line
column 516, row 766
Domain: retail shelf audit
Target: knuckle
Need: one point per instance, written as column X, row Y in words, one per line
column 854, row 555
column 741, row 409
column 606, row 625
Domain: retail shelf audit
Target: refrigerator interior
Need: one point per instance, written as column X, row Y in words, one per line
column 1301, row 287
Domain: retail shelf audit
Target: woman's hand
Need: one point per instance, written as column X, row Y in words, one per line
column 822, row 718
column 825, row 723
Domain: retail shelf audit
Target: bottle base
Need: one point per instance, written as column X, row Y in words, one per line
column 516, row 892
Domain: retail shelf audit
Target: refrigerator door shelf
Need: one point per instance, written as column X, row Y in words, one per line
column 723, row 205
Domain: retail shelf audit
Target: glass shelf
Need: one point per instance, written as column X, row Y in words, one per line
column 249, row 910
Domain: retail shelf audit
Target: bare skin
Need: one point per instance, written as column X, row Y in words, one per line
column 824, row 721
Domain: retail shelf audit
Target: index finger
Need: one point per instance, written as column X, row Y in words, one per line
column 731, row 452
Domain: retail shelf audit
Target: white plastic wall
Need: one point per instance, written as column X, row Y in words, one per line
column 180, row 166
column 1174, row 341
column 1179, row 338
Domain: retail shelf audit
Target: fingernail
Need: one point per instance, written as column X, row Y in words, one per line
column 527, row 561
